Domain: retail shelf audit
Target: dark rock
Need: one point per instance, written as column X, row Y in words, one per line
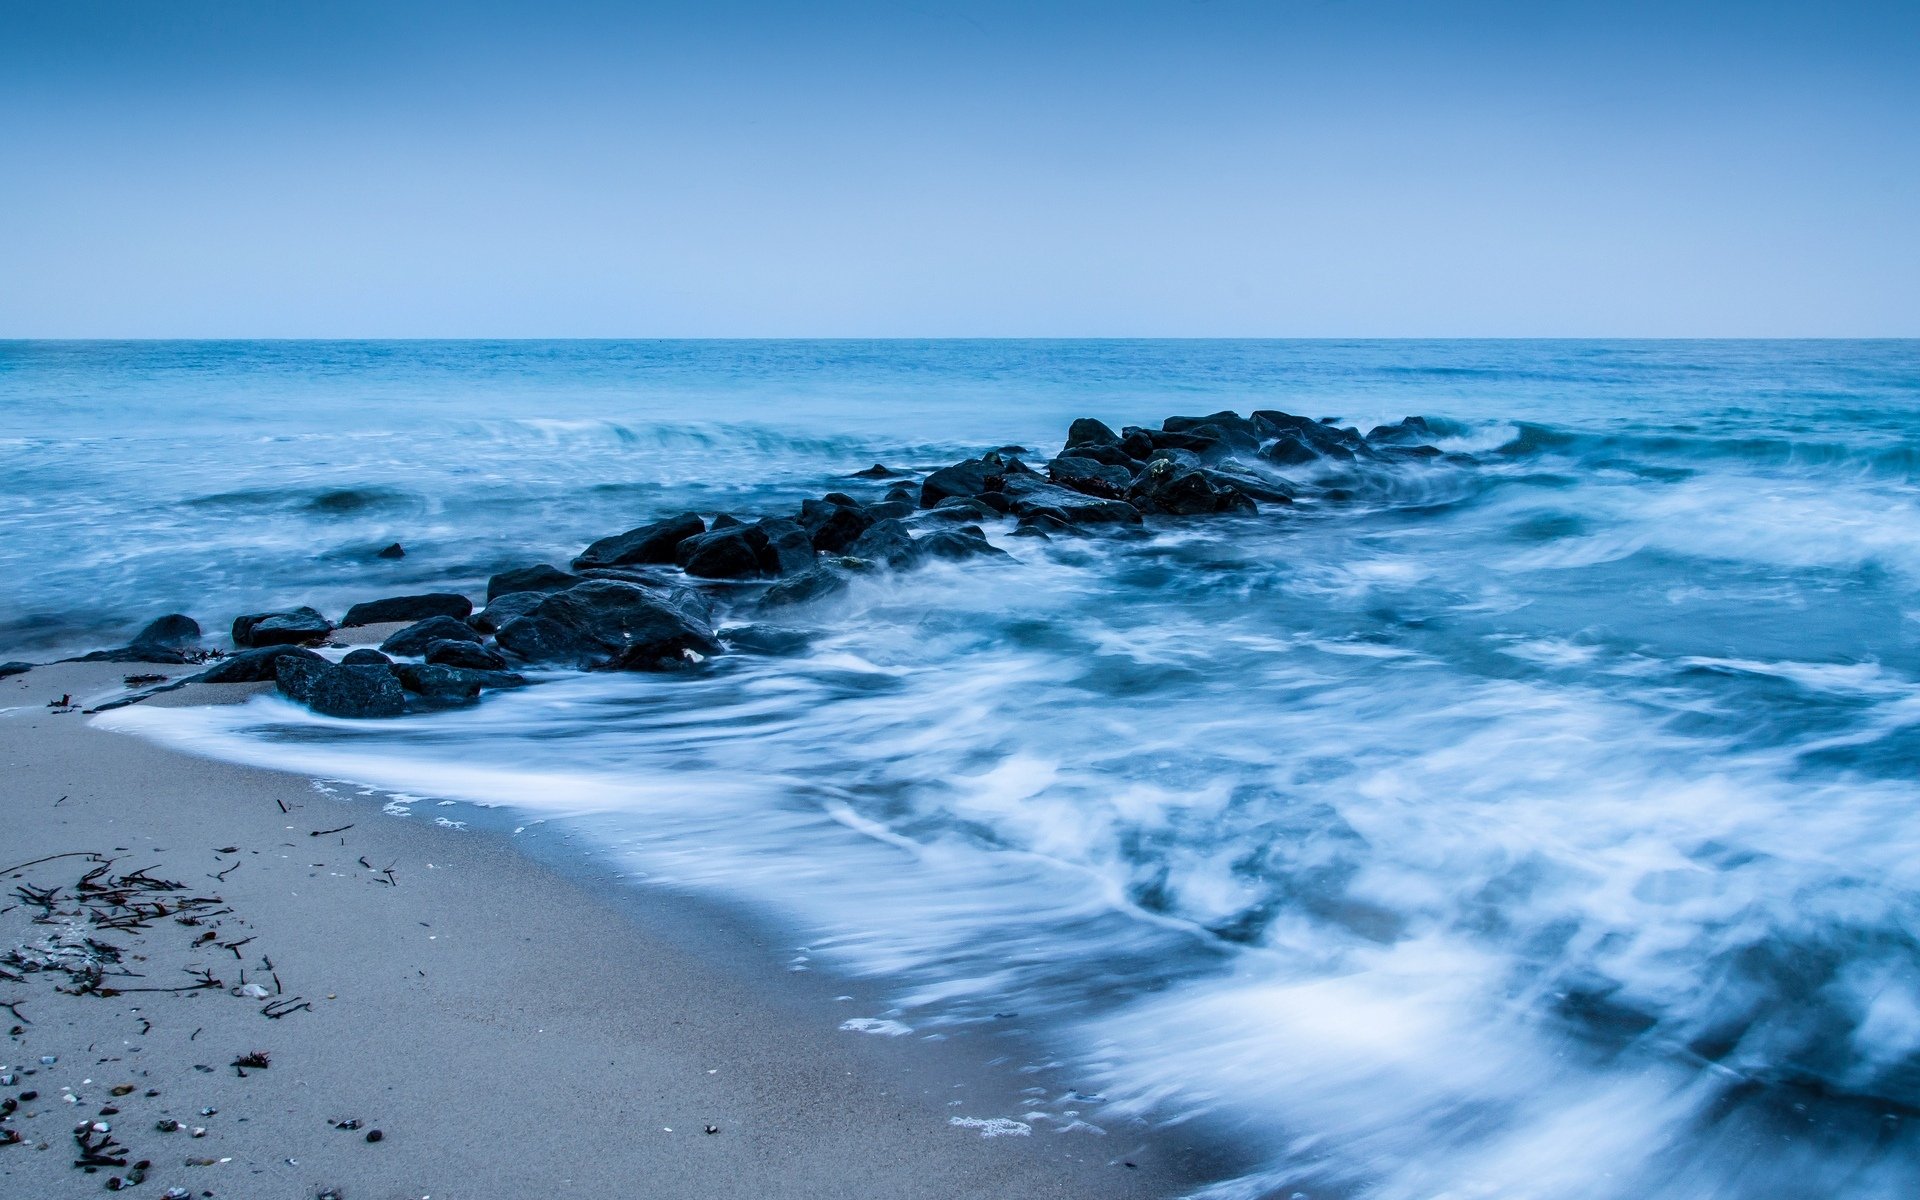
column 538, row 578
column 408, row 608
column 451, row 687
column 888, row 542
column 396, row 550
column 470, row 655
column 968, row 541
column 1224, row 421
column 789, row 546
column 842, row 499
column 998, row 501
column 1029, row 495
column 1141, row 443
column 1407, row 431
column 252, row 666
column 954, row 508
column 1112, row 456
column 1027, row 530
column 903, row 493
column 970, row 478
column 726, row 521
column 1295, row 440
column 639, row 575
column 1046, row 525
column 356, row 692
column 655, row 543
column 618, row 625
column 1167, row 487
column 14, row 668
column 502, row 609
column 295, row 675
column 414, row 639
column 1089, row 477
column 833, row 526
column 1088, row 432
column 365, row 656
column 892, row 510
column 1410, row 451
column 175, row 631
column 876, row 471
column 727, row 552
column 813, row 584
column 295, row 627
column 767, row 639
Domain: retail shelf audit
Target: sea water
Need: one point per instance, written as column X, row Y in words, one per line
column 1542, row 822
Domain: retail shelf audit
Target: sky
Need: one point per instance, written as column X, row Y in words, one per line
column 1186, row 168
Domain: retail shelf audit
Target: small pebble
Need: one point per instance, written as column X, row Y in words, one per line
column 374, row 1135
column 167, row 1125
column 47, row 1060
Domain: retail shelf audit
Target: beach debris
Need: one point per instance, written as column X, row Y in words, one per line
column 710, row 1129
column 255, row 1060
column 134, row 681
column 122, row 1089
column 97, row 1147
column 335, row 829
column 176, row 1193
column 328, row 1194
column 251, row 991
column 350, row 1123
column 167, row 1125
column 198, row 1131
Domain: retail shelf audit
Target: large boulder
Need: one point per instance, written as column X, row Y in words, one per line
column 253, row 666
column 789, row 546
column 969, row 478
column 726, row 552
column 1090, row 477
column 293, row 627
column 414, row 639
column 1166, row 486
column 341, row 691
column 470, row 656
column 608, row 624
column 365, row 656
column 967, row 541
column 1291, row 440
column 833, row 526
column 502, row 609
column 1141, row 443
column 175, row 633
column 889, row 542
column 1088, row 432
column 1407, row 431
column 1030, row 494
column 409, row 608
column 817, row 583
column 655, row 543
column 537, row 578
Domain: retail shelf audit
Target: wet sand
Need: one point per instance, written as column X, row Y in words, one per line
column 510, row 1030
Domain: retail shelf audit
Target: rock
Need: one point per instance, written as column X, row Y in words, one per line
column 1295, row 440
column 451, row 687
column 904, row 494
column 1088, row 432
column 295, row 627
column 767, row 639
column 727, row 552
column 14, row 668
column 1141, row 443
column 252, row 666
column 414, row 639
column 175, row 631
column 1089, row 477
column 1407, row 431
column 470, row 655
column 538, row 578
column 968, row 541
column 954, row 508
column 1166, row 486
column 619, row 625
column 502, row 609
column 396, row 550
column 365, row 656
column 876, row 471
column 1029, row 494
column 892, row 510
column 813, row 584
column 968, row 479
column 888, row 542
column 789, row 546
column 295, row 675
column 726, row 521
column 409, row 608
column 1046, row 525
column 655, row 543
column 1112, row 456
column 833, row 526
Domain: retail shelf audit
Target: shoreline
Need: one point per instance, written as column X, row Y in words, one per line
column 506, row 1025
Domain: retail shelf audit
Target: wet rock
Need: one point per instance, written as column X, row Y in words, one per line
column 295, row 676
column 833, row 526
column 876, row 471
column 439, row 686
column 1291, row 440
column 1046, row 525
column 969, row 478
column 902, row 493
column 955, row 508
column 772, row 640
column 468, row 655
column 537, row 578
column 174, row 634
column 396, row 550
column 655, row 543
column 968, row 541
column 814, row 584
column 892, row 510
column 1112, row 456
column 414, row 639
column 365, row 656
column 789, row 546
column 1088, row 432
column 294, row 627
column 252, row 666
column 1166, row 486
column 1029, row 494
column 889, row 542
column 409, row 608
column 1407, row 431
column 1089, row 477
column 726, row 552
column 1141, row 443
column 14, row 668
column 502, row 609
column 605, row 623
column 350, row 692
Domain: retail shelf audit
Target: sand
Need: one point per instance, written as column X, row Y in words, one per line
column 510, row 1030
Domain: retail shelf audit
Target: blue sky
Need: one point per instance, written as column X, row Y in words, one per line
column 1191, row 168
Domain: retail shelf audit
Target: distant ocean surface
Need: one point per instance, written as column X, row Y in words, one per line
column 1543, row 828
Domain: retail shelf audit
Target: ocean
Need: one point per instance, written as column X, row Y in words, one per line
column 1542, row 821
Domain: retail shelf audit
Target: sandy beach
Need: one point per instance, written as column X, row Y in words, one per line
column 507, row 1031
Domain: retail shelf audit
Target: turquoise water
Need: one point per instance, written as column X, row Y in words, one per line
column 1540, row 826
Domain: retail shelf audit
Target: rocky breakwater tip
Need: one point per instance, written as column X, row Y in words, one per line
column 658, row 597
